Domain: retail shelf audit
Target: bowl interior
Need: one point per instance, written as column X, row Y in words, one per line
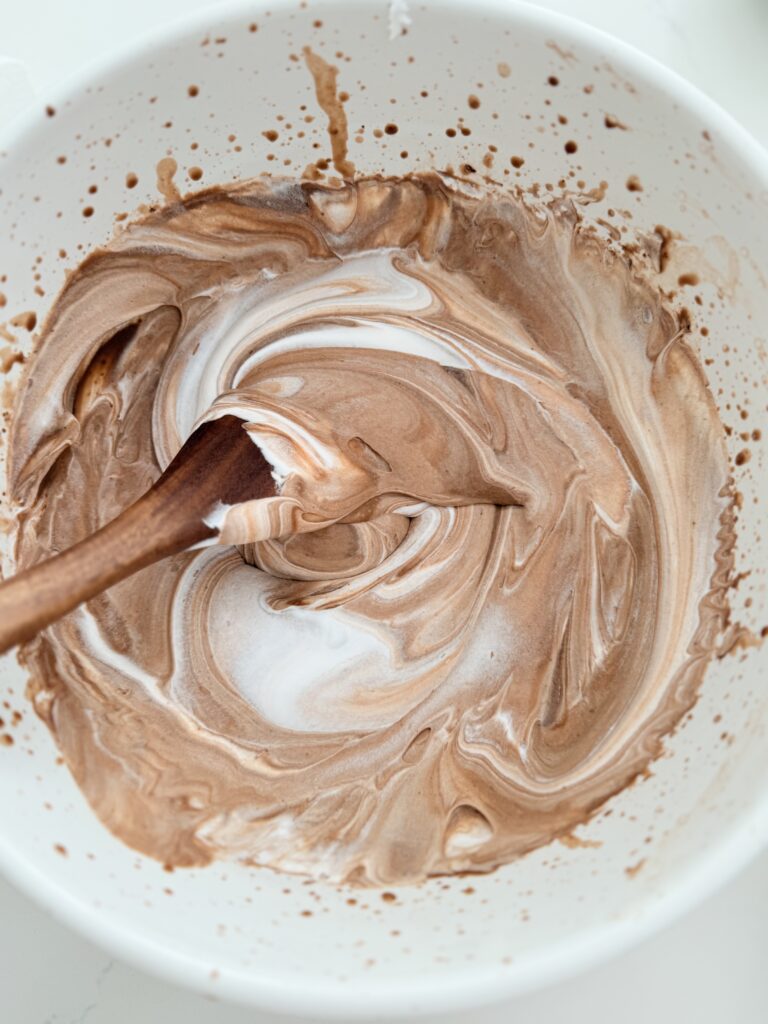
column 478, row 90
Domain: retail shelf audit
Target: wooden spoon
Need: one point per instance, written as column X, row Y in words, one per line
column 218, row 463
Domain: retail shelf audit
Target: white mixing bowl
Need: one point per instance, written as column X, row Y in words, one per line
column 276, row 941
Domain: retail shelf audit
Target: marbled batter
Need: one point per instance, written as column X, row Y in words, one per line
column 495, row 570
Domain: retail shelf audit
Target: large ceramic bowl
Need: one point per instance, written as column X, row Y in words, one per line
column 542, row 81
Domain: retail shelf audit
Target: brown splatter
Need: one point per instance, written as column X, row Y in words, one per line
column 166, row 169
column 634, row 184
column 391, row 129
column 613, row 122
column 195, row 173
column 667, row 237
column 271, row 135
column 325, row 75
column 8, row 359
column 517, row 161
column 26, row 320
column 6, row 739
column 743, row 457
column 50, row 111
column 576, row 843
column 562, row 53
column 688, row 279
column 553, row 80
column 594, row 195
column 389, row 897
column 503, row 69
column 61, row 849
column 131, row 180
column 193, row 91
column 738, row 637
column 631, row 871
column 473, row 102
column 570, row 146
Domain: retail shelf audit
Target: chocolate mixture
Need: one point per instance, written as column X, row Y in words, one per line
column 496, row 568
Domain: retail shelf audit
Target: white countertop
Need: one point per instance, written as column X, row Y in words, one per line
column 709, row 967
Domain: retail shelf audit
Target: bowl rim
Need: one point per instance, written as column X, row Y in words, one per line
column 467, row 988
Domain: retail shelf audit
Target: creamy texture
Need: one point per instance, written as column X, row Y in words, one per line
column 495, row 570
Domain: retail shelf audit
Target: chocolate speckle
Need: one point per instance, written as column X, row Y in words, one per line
column 553, row 80
column 634, row 184
column 193, row 91
column 391, row 129
column 27, row 320
column 131, row 180
column 195, row 173
column 570, row 146
column 473, row 101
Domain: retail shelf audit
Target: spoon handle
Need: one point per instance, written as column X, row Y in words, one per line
column 40, row 595
column 219, row 462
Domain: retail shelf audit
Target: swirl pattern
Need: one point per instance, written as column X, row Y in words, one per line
column 493, row 575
